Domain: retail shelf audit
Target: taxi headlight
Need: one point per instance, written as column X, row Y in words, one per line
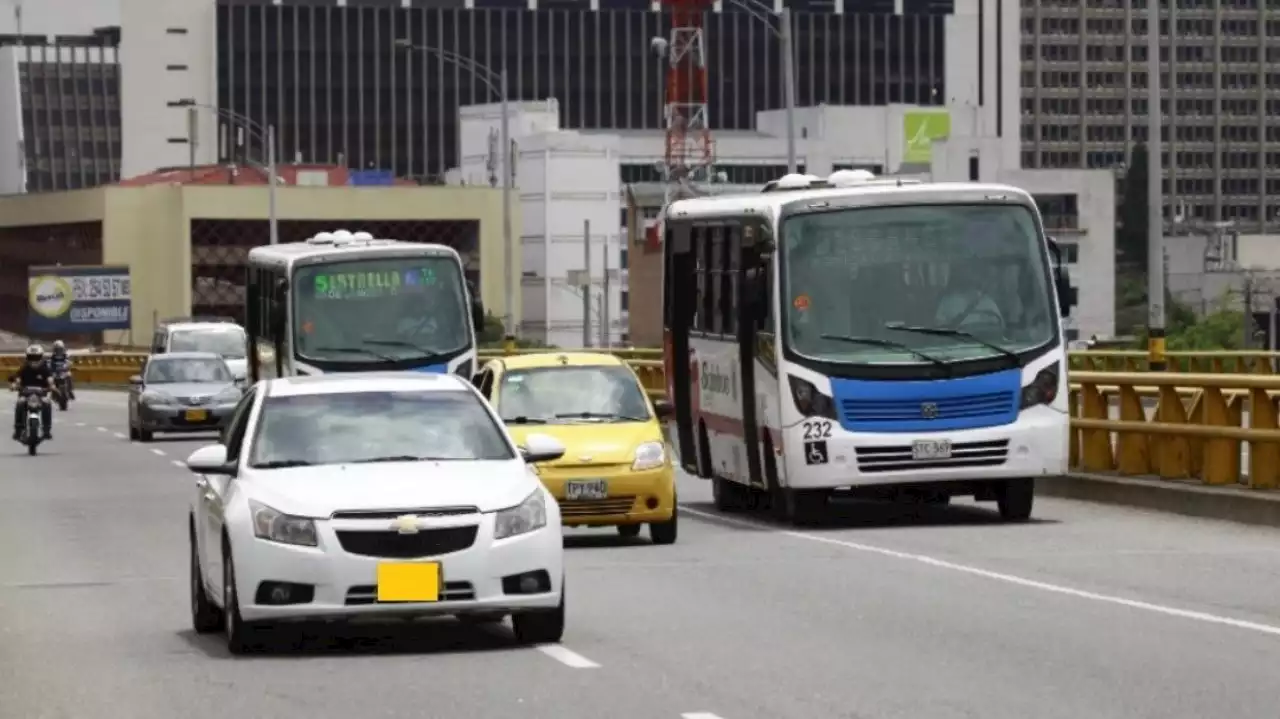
column 525, row 517
column 649, row 455
column 275, row 526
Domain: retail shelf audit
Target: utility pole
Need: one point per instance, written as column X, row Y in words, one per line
column 586, row 283
column 1155, row 197
column 606, row 335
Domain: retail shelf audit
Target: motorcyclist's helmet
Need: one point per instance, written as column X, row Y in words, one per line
column 35, row 354
column 59, row 347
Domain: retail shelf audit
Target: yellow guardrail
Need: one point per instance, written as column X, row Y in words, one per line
column 1197, row 428
column 1234, row 361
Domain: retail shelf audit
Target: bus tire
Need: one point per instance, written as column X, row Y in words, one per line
column 727, row 495
column 705, row 468
column 1015, row 498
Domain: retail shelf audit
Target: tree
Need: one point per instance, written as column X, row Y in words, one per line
column 491, row 336
column 1131, row 235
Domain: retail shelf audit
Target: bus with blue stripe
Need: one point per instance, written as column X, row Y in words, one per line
column 347, row 302
column 881, row 338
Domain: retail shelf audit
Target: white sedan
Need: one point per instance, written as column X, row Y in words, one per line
column 391, row 495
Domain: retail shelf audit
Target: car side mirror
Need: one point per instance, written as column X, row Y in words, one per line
column 541, row 448
column 211, row 460
column 135, row 380
column 664, row 409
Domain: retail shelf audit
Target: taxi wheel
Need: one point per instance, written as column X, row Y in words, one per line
column 540, row 626
column 205, row 616
column 629, row 530
column 665, row 532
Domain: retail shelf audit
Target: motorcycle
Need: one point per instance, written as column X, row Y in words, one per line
column 33, row 426
column 61, row 384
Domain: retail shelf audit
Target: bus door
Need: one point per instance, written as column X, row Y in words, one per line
column 749, row 266
column 679, row 303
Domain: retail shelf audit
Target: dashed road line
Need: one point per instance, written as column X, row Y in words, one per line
column 567, row 656
column 1206, row 617
column 79, row 424
column 179, row 465
column 118, row 435
column 157, row 452
column 101, row 429
column 699, row 715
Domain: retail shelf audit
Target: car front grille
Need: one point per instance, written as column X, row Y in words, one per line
column 393, row 545
column 450, row 592
column 872, row 460
column 593, row 507
column 390, row 514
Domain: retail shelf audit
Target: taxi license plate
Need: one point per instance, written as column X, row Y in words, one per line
column 931, row 449
column 196, row 415
column 592, row 489
column 409, row 582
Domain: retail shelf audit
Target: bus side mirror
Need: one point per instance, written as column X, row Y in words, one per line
column 1068, row 296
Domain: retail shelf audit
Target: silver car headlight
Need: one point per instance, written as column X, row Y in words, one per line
column 155, row 398
column 525, row 517
column 275, row 526
column 230, row 394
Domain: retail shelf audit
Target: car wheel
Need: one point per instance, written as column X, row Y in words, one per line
column 1015, row 498
column 133, row 432
column 239, row 634
column 665, row 532
column 481, row 619
column 144, row 435
column 629, row 530
column 540, row 626
column 205, row 617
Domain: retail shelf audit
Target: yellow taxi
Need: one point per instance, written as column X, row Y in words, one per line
column 616, row 470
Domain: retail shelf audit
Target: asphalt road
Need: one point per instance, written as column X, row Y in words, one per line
column 887, row 612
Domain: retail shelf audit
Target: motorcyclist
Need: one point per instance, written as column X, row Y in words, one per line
column 34, row 374
column 60, row 361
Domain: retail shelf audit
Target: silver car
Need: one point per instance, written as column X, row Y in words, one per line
column 181, row 392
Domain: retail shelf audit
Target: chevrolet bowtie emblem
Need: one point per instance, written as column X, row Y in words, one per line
column 406, row 524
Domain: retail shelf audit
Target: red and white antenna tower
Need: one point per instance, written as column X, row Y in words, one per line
column 690, row 148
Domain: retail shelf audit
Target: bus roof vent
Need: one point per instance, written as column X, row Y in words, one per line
column 795, row 181
column 849, row 178
column 321, row 238
column 362, row 236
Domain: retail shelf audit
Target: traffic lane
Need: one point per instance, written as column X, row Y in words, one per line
column 750, row 620
column 93, row 611
column 1201, row 564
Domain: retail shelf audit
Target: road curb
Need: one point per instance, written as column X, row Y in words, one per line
column 1185, row 497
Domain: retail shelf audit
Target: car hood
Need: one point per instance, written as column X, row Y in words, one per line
column 593, row 443
column 321, row 491
column 183, row 390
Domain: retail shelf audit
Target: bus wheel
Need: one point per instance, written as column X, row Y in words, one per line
column 798, row 506
column 728, row 496
column 705, row 470
column 1014, row 498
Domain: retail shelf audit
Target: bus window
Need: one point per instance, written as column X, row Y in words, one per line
column 715, row 272
column 730, row 262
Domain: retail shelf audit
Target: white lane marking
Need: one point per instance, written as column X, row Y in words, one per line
column 179, row 465
column 101, row 429
column 157, row 452
column 118, row 435
column 699, row 715
column 79, row 424
column 567, row 656
column 1271, row 629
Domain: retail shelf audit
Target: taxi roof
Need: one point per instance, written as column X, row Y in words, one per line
column 340, row 383
column 540, row 360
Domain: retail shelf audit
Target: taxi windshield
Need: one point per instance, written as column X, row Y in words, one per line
column 572, row 394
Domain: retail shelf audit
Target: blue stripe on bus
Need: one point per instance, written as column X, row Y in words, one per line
column 987, row 400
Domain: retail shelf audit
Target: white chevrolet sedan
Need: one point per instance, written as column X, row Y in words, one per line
column 384, row 495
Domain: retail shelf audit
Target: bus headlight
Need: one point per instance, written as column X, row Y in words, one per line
column 1043, row 389
column 810, row 401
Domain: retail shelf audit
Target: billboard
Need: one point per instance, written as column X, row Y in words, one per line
column 76, row 300
column 919, row 130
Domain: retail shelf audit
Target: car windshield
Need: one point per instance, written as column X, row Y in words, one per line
column 348, row 427
column 169, row 371
column 372, row 310
column 228, row 343
column 857, row 281
column 569, row 393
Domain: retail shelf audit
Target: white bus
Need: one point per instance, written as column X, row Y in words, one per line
column 885, row 338
column 343, row 302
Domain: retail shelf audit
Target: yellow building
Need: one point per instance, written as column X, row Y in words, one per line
column 186, row 244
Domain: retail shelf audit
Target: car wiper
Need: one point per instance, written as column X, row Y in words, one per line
column 525, row 420
column 359, row 351
column 949, row 332
column 282, row 464
column 877, row 342
column 601, row 415
column 428, row 355
column 397, row 458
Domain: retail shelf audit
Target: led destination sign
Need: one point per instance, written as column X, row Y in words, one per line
column 366, row 284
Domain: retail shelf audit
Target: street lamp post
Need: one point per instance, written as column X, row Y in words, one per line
column 1155, row 197
column 496, row 81
column 266, row 134
column 783, row 31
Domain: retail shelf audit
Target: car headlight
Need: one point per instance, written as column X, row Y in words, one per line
column 154, row 398
column 275, row 526
column 525, row 517
column 1043, row 389
column 230, row 394
column 649, row 455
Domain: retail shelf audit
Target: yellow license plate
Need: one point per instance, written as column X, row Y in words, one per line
column 409, row 582
column 197, row 415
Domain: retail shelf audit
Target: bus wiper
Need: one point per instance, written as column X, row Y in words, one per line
column 949, row 332
column 601, row 415
column 888, row 343
column 358, row 351
column 428, row 355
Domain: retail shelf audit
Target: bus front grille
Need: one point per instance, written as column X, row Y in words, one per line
column 974, row 406
column 897, row 458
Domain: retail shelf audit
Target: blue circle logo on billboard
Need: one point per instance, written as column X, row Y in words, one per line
column 49, row 295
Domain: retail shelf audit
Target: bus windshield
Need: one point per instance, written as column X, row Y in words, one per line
column 381, row 309
column 860, row 284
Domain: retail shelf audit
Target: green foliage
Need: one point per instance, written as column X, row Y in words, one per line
column 491, row 337
column 1131, row 231
column 1221, row 328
